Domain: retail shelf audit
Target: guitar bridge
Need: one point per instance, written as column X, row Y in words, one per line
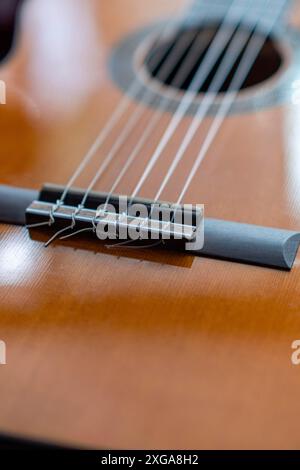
column 245, row 243
column 115, row 218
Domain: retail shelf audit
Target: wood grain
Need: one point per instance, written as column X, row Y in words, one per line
column 142, row 350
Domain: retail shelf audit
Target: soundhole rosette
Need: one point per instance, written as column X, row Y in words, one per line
column 269, row 83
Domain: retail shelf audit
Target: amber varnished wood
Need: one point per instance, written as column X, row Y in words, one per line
column 141, row 349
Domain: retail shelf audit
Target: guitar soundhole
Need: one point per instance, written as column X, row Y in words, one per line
column 267, row 64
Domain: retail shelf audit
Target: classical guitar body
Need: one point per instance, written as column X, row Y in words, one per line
column 135, row 347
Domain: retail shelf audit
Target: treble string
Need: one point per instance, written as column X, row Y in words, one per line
column 237, row 41
column 253, row 49
column 224, row 34
column 248, row 59
column 235, row 48
column 249, row 56
column 212, row 55
column 218, row 120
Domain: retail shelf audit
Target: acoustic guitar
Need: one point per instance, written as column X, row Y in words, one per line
column 146, row 343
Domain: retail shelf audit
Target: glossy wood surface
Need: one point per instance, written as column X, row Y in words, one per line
column 141, row 349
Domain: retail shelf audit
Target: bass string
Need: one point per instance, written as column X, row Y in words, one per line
column 138, row 114
column 214, row 51
column 229, row 10
column 102, row 136
column 179, row 78
column 229, row 56
column 223, row 36
column 192, row 53
column 131, row 94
